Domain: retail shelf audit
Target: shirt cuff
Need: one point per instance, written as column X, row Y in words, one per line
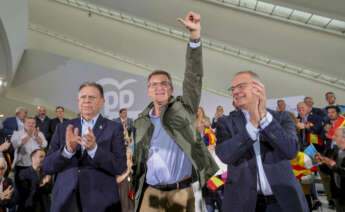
column 194, row 45
column 92, row 152
column 67, row 154
column 266, row 120
column 252, row 131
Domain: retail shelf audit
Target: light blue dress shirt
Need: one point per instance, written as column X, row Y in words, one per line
column 20, row 124
column 166, row 163
column 262, row 182
column 84, row 130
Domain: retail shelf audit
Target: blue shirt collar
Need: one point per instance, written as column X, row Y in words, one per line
column 151, row 113
column 92, row 122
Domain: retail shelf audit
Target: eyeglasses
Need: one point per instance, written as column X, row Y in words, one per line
column 164, row 84
column 240, row 87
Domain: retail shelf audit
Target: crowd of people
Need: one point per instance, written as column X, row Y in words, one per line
column 173, row 157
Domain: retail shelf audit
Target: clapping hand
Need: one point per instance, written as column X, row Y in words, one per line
column 7, row 194
column 45, row 180
column 72, row 138
column 88, row 141
column 4, row 146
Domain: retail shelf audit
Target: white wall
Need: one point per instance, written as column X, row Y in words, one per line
column 14, row 17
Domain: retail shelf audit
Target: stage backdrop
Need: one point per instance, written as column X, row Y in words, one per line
column 55, row 79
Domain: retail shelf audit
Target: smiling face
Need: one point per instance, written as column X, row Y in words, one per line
column 241, row 89
column 29, row 124
column 302, row 109
column 159, row 89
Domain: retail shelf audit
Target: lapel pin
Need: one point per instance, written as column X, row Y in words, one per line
column 100, row 127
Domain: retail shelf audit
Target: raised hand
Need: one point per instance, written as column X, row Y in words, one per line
column 4, row 146
column 45, row 180
column 36, row 130
column 192, row 22
column 259, row 90
column 72, row 138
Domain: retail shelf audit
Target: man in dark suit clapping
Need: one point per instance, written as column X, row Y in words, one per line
column 257, row 144
column 87, row 153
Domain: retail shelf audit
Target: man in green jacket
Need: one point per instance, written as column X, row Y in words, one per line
column 169, row 154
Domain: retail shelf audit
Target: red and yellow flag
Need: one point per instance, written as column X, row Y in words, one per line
column 302, row 165
column 214, row 183
column 312, row 137
column 339, row 123
column 211, row 136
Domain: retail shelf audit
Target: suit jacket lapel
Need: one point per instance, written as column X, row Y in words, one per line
column 99, row 127
column 239, row 121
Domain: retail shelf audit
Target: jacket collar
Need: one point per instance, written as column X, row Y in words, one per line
column 146, row 111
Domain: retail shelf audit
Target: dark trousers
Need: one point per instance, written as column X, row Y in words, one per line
column 75, row 202
column 340, row 205
column 267, row 204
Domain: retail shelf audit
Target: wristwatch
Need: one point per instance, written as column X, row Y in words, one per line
column 195, row 40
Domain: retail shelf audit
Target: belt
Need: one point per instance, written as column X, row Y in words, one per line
column 270, row 199
column 168, row 187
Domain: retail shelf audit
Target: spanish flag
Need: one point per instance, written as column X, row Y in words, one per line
column 211, row 135
column 214, row 183
column 302, row 165
column 312, row 137
column 339, row 123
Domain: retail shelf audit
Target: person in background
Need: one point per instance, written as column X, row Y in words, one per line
column 281, row 106
column 124, row 182
column 25, row 142
column 309, row 126
column 335, row 120
column 337, row 164
column 309, row 102
column 7, row 199
column 16, row 122
column 330, row 98
column 201, row 118
column 43, row 122
column 126, row 122
column 219, row 113
column 58, row 120
column 35, row 186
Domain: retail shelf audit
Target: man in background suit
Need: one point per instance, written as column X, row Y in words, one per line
column 15, row 123
column 35, row 186
column 125, row 121
column 257, row 145
column 87, row 153
column 7, row 199
column 43, row 122
column 58, row 120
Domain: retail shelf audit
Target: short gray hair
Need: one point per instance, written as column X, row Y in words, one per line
column 18, row 109
column 2, row 160
column 254, row 75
